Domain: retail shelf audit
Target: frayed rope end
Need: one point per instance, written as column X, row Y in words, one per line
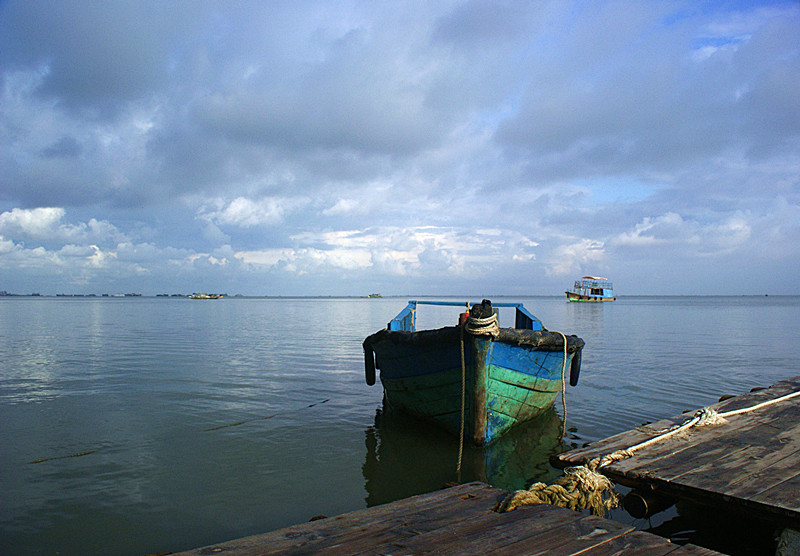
column 578, row 489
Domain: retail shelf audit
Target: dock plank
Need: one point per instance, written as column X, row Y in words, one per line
column 573, row 537
column 457, row 520
column 706, row 451
column 750, row 463
column 638, row 543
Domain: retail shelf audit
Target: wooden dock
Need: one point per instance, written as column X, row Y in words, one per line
column 749, row 465
column 457, row 520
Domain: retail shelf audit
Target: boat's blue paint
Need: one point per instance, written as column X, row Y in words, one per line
column 406, row 320
column 525, row 360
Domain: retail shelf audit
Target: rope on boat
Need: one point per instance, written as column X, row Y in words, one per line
column 483, row 326
column 563, row 385
column 476, row 326
column 583, row 487
column 490, row 326
column 463, row 406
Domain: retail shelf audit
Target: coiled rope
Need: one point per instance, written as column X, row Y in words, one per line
column 583, row 487
column 483, row 326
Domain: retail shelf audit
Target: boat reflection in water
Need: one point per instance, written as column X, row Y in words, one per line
column 406, row 456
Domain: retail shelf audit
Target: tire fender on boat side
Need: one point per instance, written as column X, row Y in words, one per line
column 369, row 365
column 575, row 368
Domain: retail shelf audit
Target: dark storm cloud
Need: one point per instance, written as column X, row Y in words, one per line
column 95, row 55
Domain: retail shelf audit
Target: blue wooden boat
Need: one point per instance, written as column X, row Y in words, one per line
column 473, row 376
column 591, row 289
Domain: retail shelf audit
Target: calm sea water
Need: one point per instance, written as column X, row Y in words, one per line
column 142, row 425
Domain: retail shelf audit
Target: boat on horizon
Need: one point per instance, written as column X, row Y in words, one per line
column 592, row 289
column 198, row 295
column 474, row 376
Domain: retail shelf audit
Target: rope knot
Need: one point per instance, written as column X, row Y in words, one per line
column 708, row 416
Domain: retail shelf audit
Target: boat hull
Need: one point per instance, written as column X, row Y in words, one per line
column 508, row 379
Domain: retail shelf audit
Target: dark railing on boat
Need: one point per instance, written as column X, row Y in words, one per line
column 406, row 319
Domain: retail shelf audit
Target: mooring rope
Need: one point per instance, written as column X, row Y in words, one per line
column 463, row 406
column 563, row 385
column 79, row 454
column 583, row 487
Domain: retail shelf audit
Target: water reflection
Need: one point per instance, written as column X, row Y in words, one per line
column 406, row 456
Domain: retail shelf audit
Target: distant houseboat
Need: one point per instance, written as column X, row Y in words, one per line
column 592, row 289
column 198, row 295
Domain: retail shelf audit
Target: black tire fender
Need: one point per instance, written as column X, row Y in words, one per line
column 575, row 368
column 369, row 365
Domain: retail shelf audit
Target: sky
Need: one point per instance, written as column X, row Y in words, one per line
column 402, row 148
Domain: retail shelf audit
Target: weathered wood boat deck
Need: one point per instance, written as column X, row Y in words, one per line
column 457, row 520
column 749, row 464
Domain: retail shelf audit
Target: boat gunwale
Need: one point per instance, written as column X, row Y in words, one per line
column 542, row 340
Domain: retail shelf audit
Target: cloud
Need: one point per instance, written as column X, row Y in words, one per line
column 37, row 223
column 671, row 232
column 66, row 147
column 422, row 251
column 46, row 225
column 246, row 213
column 569, row 258
column 418, row 145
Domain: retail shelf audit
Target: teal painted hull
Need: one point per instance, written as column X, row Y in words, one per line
column 507, row 380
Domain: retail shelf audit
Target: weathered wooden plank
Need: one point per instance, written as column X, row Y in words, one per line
column 629, row 438
column 464, row 499
column 641, row 544
column 458, row 520
column 751, row 462
column 693, row 550
column 771, row 475
column 730, row 448
column 784, row 495
column 573, row 537
column 430, row 522
column 766, row 461
column 618, row 441
column 482, row 533
column 722, row 453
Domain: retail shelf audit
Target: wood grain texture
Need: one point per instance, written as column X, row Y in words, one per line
column 457, row 520
column 749, row 464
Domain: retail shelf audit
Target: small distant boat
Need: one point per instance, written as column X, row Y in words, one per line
column 510, row 375
column 205, row 296
column 592, row 289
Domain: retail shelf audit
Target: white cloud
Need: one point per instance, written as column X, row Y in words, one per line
column 46, row 225
column 395, row 251
column 38, row 223
column 245, row 213
column 572, row 257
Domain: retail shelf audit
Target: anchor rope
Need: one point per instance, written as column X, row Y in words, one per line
column 583, row 487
